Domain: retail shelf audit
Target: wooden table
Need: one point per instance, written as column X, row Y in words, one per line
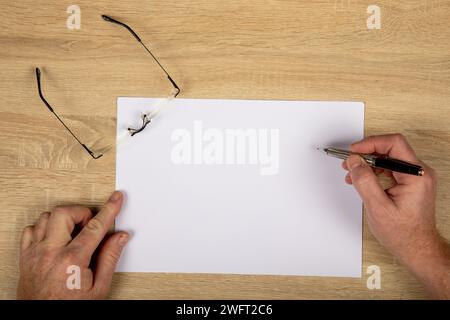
column 271, row 49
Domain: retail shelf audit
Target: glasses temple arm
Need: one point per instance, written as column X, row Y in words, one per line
column 38, row 78
column 109, row 19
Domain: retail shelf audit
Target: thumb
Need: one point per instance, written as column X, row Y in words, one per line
column 108, row 257
column 366, row 183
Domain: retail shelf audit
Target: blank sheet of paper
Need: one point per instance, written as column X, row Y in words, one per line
column 238, row 187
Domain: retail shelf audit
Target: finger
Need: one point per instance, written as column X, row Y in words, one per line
column 107, row 260
column 27, row 238
column 366, row 183
column 40, row 227
column 376, row 170
column 348, row 179
column 393, row 145
column 62, row 222
column 93, row 233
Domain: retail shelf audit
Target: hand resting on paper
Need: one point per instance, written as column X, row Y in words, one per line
column 402, row 218
column 57, row 253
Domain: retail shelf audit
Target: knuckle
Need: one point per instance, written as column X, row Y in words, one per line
column 28, row 229
column 71, row 256
column 48, row 247
column 73, row 253
column 399, row 137
column 88, row 212
column 83, row 209
column 77, row 251
column 75, row 247
column 60, row 210
column 44, row 215
column 47, row 252
column 113, row 256
column 95, row 225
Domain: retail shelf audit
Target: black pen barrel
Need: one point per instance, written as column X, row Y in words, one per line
column 398, row 166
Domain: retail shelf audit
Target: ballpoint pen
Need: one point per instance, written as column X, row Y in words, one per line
column 378, row 161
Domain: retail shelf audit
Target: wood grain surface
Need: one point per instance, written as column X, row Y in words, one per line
column 259, row 49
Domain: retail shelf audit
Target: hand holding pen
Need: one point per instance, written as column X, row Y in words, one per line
column 402, row 217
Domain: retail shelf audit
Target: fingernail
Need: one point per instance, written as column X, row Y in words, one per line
column 116, row 196
column 123, row 239
column 354, row 162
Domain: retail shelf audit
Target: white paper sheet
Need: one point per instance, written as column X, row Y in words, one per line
column 246, row 214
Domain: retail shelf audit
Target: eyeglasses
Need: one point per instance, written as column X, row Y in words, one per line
column 145, row 118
